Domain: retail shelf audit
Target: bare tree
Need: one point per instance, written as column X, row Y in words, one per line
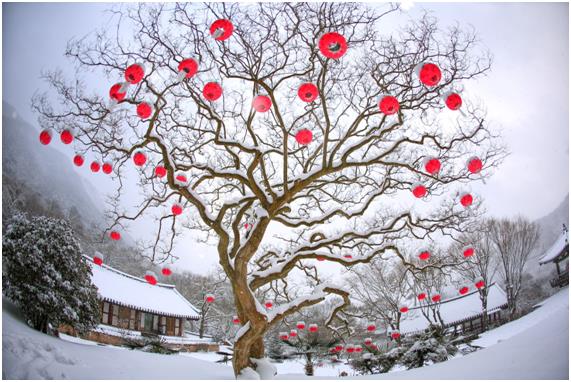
column 513, row 240
column 235, row 169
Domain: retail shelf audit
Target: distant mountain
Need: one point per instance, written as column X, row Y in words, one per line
column 42, row 168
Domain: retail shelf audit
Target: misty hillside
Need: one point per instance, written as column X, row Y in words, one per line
column 550, row 225
column 43, row 169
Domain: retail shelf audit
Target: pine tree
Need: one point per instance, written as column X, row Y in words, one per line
column 45, row 274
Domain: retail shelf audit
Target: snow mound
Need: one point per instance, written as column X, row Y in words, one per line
column 248, row 373
column 265, row 368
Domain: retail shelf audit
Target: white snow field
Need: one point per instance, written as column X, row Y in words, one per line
column 533, row 347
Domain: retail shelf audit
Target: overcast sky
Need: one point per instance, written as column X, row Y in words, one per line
column 526, row 93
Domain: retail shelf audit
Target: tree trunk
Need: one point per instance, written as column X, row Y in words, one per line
column 308, row 365
column 484, row 312
column 248, row 346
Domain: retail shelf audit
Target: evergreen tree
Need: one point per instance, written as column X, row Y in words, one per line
column 45, row 274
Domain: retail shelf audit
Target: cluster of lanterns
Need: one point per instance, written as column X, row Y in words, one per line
column 151, row 277
column 300, row 325
column 95, row 166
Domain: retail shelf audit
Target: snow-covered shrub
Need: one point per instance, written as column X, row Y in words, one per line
column 45, row 275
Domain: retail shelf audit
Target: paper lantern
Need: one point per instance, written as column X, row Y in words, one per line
column 187, row 68
column 307, row 92
column 304, row 137
column 403, row 309
column 453, row 101
column 338, row 348
column 480, row 284
column 181, row 179
column 358, row 349
column 97, row 260
column 269, row 304
column 421, row 296
column 333, row 45
column 66, row 136
column 348, row 256
column 389, row 105
column 429, row 74
column 474, row 165
column 300, row 325
column 176, row 209
column 466, row 200
column 313, row 328
column 320, row 258
column 160, row 171
column 139, row 158
column 236, row 320
column 469, row 251
column 114, row 235
column 144, row 110
column 283, row 336
column 134, row 73
column 419, row 190
column 395, row 334
column 247, row 226
column 293, row 333
column 424, row 255
column 373, row 347
column 78, row 160
column 117, row 92
column 432, row 165
column 349, row 348
column 209, row 298
column 212, row 91
column 464, row 290
column 332, row 350
column 221, row 29
column 262, row 103
column 107, row 168
column 166, row 271
column 371, row 327
column 46, row 136
column 151, row 277
column 436, row 298
column 95, row 166
column 368, row 341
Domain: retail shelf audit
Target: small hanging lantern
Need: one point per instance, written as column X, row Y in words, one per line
column 212, row 91
column 320, row 258
column 247, row 226
column 453, row 101
column 395, row 334
column 332, row 350
column 350, row 348
column 333, row 45
column 186, row 69
column 236, row 320
column 176, row 209
column 348, row 256
column 373, row 347
column 304, row 137
column 308, row 92
column 403, row 309
column 166, row 271
column 269, row 304
column 160, row 171
column 419, row 190
column 134, row 73
column 139, row 158
column 313, row 328
column 151, row 277
column 466, row 200
column 66, row 136
column 432, row 165
column 429, row 74
column 293, row 333
column 368, row 341
column 358, row 348
column 463, row 290
column 300, row 325
column 474, row 165
column 107, row 168
column 46, row 136
column 283, row 336
column 181, row 179
column 78, row 160
column 468, row 252
column 480, row 283
column 262, row 103
column 436, row 298
column 97, row 260
column 389, row 105
column 95, row 166
column 118, row 92
column 338, row 347
column 424, row 255
column 209, row 298
column 221, row 29
column 114, row 235
column 144, row 110
column 371, row 327
column 421, row 296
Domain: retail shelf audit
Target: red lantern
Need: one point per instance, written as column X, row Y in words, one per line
column 468, row 252
column 97, row 260
column 349, row 349
column 293, row 333
column 421, row 296
column 300, row 325
column 151, row 277
column 395, row 334
column 176, row 209
column 373, row 347
column 358, row 349
column 424, row 255
column 262, row 103
column 283, row 336
column 389, row 105
column 212, row 91
column 269, row 304
column 313, row 328
column 338, row 348
column 134, row 74
column 209, row 298
column 430, row 74
column 166, row 271
column 371, row 327
column 368, row 341
column 78, row 160
column 139, row 158
column 453, row 101
column 480, row 284
column 307, row 92
column 304, row 137
column 95, row 166
column 419, row 191
column 181, row 179
column 320, row 258
column 236, row 320
column 348, row 256
column 46, row 136
column 464, row 290
column 144, row 110
column 333, row 45
column 247, row 226
column 221, row 29
column 474, row 165
column 107, row 168
column 114, row 235
column 66, row 136
column 187, row 68
column 160, row 171
column 404, row 309
column 436, row 298
column 432, row 165
column 466, row 200
column 117, row 92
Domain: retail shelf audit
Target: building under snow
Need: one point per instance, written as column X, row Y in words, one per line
column 558, row 254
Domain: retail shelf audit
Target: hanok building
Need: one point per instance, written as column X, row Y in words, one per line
column 558, row 253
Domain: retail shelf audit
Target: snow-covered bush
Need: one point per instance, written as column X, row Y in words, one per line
column 45, row 275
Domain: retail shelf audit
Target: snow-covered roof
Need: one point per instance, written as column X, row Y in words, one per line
column 456, row 309
column 556, row 249
column 127, row 290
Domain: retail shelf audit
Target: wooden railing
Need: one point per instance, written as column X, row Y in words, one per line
column 560, row 281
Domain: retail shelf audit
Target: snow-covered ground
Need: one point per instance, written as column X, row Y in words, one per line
column 533, row 347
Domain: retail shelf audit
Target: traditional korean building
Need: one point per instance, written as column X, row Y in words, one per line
column 558, row 254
